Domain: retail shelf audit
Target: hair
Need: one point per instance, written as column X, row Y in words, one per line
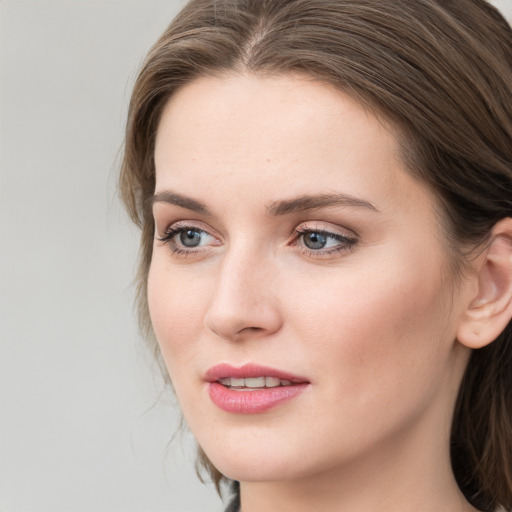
column 440, row 71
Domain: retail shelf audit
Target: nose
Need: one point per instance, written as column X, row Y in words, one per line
column 245, row 302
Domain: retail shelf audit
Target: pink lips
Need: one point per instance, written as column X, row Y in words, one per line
column 251, row 401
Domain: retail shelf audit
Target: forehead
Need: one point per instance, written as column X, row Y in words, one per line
column 274, row 109
column 283, row 135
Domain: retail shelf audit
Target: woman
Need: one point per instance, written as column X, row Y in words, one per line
column 324, row 189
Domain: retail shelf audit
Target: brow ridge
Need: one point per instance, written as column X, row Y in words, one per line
column 167, row 196
column 275, row 208
column 312, row 202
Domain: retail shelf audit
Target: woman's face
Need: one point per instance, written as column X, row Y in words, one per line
column 295, row 255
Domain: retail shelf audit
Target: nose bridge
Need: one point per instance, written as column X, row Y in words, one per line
column 244, row 302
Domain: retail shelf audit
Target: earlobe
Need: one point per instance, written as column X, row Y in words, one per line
column 490, row 310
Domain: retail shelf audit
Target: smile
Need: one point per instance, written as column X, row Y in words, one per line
column 254, row 382
column 251, row 388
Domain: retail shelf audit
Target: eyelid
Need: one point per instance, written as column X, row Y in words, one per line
column 175, row 228
column 344, row 239
column 163, row 226
column 326, row 227
column 347, row 240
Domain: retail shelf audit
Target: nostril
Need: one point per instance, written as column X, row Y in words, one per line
column 231, row 318
column 253, row 330
column 248, row 333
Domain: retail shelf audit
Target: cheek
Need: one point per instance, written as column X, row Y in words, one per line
column 379, row 348
column 382, row 326
column 177, row 304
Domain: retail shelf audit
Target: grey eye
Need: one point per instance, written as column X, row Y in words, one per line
column 314, row 240
column 190, row 237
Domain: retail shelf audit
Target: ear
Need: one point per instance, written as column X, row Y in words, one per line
column 490, row 310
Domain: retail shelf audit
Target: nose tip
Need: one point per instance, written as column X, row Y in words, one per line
column 234, row 323
column 233, row 326
column 243, row 306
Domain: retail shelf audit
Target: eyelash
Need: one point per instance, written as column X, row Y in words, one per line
column 176, row 230
column 346, row 243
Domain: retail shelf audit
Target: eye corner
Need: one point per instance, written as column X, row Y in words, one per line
column 324, row 242
column 188, row 238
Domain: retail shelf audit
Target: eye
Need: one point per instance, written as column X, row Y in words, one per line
column 321, row 242
column 184, row 239
column 315, row 240
column 191, row 237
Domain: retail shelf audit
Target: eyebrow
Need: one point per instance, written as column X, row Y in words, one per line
column 275, row 208
column 169, row 197
column 312, row 202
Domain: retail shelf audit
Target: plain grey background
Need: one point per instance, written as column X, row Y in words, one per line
column 83, row 426
column 78, row 428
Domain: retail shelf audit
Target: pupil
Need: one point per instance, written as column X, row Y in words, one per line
column 190, row 238
column 315, row 241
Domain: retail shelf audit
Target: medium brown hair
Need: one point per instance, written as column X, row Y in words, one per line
column 441, row 72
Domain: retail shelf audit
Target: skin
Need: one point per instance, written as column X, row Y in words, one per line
column 371, row 323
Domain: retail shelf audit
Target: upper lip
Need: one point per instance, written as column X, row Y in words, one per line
column 224, row 370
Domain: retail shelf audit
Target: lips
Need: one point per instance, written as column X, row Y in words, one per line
column 254, row 382
column 251, row 388
column 222, row 371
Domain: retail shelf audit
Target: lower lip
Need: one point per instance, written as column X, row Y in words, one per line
column 255, row 401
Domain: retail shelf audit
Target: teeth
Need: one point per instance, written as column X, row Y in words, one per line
column 272, row 382
column 254, row 382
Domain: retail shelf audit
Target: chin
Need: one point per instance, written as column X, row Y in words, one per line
column 260, row 461
column 250, row 471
